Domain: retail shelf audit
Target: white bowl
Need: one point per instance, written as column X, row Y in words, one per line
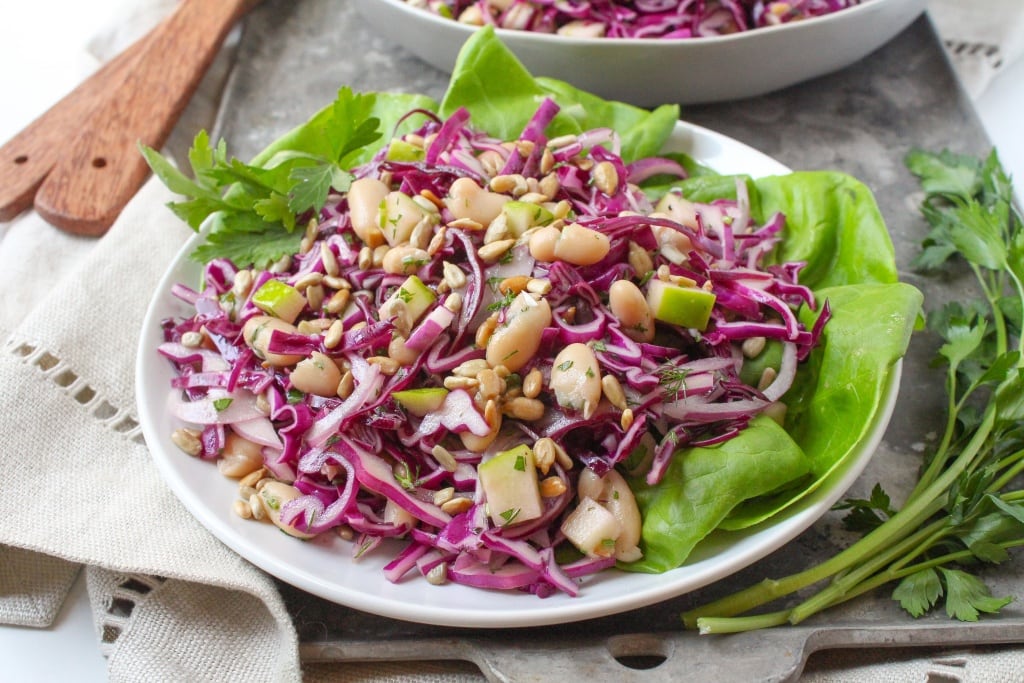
column 655, row 71
column 325, row 566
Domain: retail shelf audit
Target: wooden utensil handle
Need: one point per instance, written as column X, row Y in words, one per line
column 94, row 178
column 26, row 158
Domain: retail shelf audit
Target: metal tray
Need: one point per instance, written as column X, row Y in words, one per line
column 862, row 120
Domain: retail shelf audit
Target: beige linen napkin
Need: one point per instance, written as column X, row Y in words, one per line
column 982, row 37
column 80, row 484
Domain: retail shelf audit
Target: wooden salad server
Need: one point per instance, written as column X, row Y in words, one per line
column 100, row 169
column 27, row 158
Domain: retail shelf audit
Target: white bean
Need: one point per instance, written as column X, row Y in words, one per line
column 256, row 333
column 364, row 199
column 468, row 200
column 629, row 305
column 239, row 456
column 479, row 444
column 404, row 260
column 272, row 497
column 581, row 246
column 576, row 379
column 542, row 243
column 515, row 341
column 400, row 352
column 317, row 375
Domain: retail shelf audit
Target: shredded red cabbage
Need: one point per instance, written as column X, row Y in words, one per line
column 415, row 403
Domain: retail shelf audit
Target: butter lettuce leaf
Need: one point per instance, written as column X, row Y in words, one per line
column 501, row 97
column 834, row 225
column 703, row 485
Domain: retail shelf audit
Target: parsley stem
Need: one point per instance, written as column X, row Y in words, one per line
column 896, row 555
column 1019, row 286
column 932, row 562
column 892, row 531
column 708, row 625
column 1016, row 466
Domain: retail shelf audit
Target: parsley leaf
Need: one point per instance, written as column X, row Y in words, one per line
column 918, row 592
column 253, row 209
column 967, row 595
column 867, row 514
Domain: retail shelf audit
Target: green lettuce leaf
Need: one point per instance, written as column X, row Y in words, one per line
column 832, row 223
column 838, row 395
column 502, row 97
column 703, row 485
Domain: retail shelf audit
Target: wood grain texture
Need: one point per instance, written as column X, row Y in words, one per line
column 102, row 168
column 27, row 158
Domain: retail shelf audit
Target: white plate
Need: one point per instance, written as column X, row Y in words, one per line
column 649, row 72
column 325, row 566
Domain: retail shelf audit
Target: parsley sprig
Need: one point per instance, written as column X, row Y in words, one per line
column 964, row 511
column 253, row 209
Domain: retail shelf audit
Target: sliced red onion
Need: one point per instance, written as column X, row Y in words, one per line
column 643, row 169
column 258, row 430
column 786, row 374
column 468, row 571
column 179, row 353
column 693, row 409
column 458, row 413
column 217, row 407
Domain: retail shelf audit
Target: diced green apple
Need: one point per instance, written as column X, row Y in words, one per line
column 521, row 216
column 398, row 217
column 509, row 481
column 400, row 150
column 592, row 528
column 280, row 300
column 421, row 401
column 408, row 303
column 678, row 305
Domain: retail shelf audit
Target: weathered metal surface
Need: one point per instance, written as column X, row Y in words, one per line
column 293, row 58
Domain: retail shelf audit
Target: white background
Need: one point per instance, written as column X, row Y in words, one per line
column 42, row 56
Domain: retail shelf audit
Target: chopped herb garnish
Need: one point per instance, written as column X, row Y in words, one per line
column 221, row 404
column 406, row 478
column 673, row 380
column 564, row 365
column 503, row 302
column 509, row 515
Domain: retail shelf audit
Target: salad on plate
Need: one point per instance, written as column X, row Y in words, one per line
column 509, row 341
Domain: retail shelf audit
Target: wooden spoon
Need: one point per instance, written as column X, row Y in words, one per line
column 27, row 158
column 102, row 168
